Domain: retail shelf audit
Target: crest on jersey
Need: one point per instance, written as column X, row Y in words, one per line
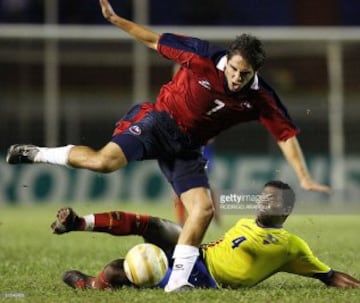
column 270, row 239
column 135, row 130
column 205, row 83
column 246, row 104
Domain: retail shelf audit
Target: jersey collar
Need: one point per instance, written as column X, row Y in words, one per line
column 221, row 66
column 258, row 223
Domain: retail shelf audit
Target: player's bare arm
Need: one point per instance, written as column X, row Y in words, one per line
column 294, row 155
column 144, row 35
column 343, row 280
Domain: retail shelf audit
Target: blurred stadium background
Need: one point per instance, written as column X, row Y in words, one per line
column 67, row 77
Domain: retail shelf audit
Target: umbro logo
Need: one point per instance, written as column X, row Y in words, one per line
column 178, row 267
column 205, row 83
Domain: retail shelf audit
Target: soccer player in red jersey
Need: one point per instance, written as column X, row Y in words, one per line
column 214, row 89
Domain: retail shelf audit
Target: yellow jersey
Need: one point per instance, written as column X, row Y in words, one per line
column 249, row 254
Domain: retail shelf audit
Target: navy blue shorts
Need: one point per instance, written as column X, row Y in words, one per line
column 208, row 153
column 144, row 133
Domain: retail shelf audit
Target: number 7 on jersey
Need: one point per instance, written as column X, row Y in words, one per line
column 219, row 105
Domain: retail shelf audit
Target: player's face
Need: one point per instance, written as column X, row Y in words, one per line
column 238, row 72
column 270, row 201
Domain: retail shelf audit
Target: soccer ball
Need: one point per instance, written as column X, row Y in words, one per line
column 145, row 265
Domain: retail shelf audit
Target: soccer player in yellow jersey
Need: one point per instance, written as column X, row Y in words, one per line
column 250, row 252
column 255, row 249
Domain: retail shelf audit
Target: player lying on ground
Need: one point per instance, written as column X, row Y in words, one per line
column 250, row 252
column 215, row 89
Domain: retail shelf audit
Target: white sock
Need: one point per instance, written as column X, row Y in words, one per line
column 185, row 257
column 54, row 155
column 89, row 222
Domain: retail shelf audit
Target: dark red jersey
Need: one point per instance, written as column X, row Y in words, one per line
column 198, row 98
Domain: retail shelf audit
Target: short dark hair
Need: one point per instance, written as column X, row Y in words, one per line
column 250, row 47
column 288, row 194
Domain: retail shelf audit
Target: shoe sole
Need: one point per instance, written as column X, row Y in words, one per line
column 19, row 157
column 11, row 148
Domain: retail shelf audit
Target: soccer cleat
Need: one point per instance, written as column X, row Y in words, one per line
column 67, row 220
column 21, row 153
column 182, row 288
column 78, row 280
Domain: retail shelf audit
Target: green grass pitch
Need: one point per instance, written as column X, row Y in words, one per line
column 33, row 260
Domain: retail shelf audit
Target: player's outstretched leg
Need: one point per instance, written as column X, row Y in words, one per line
column 78, row 280
column 116, row 223
column 66, row 220
column 160, row 232
column 21, row 153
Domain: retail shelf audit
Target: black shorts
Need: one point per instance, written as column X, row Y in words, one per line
column 144, row 133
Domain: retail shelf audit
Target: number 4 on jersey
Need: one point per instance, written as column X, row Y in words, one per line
column 219, row 105
column 237, row 241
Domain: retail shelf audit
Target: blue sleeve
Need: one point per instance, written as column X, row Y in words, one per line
column 276, row 98
column 190, row 44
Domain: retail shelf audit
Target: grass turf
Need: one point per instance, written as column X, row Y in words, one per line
column 33, row 260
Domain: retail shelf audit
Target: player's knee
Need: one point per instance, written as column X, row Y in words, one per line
column 166, row 228
column 198, row 204
column 105, row 164
column 114, row 273
column 105, row 167
column 203, row 209
column 162, row 232
column 209, row 210
column 112, row 268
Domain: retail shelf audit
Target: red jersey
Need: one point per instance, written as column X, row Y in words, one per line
column 199, row 101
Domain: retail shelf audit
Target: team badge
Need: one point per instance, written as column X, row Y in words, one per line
column 270, row 239
column 135, row 130
column 246, row 105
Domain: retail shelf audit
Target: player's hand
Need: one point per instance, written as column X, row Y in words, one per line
column 311, row 185
column 107, row 9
